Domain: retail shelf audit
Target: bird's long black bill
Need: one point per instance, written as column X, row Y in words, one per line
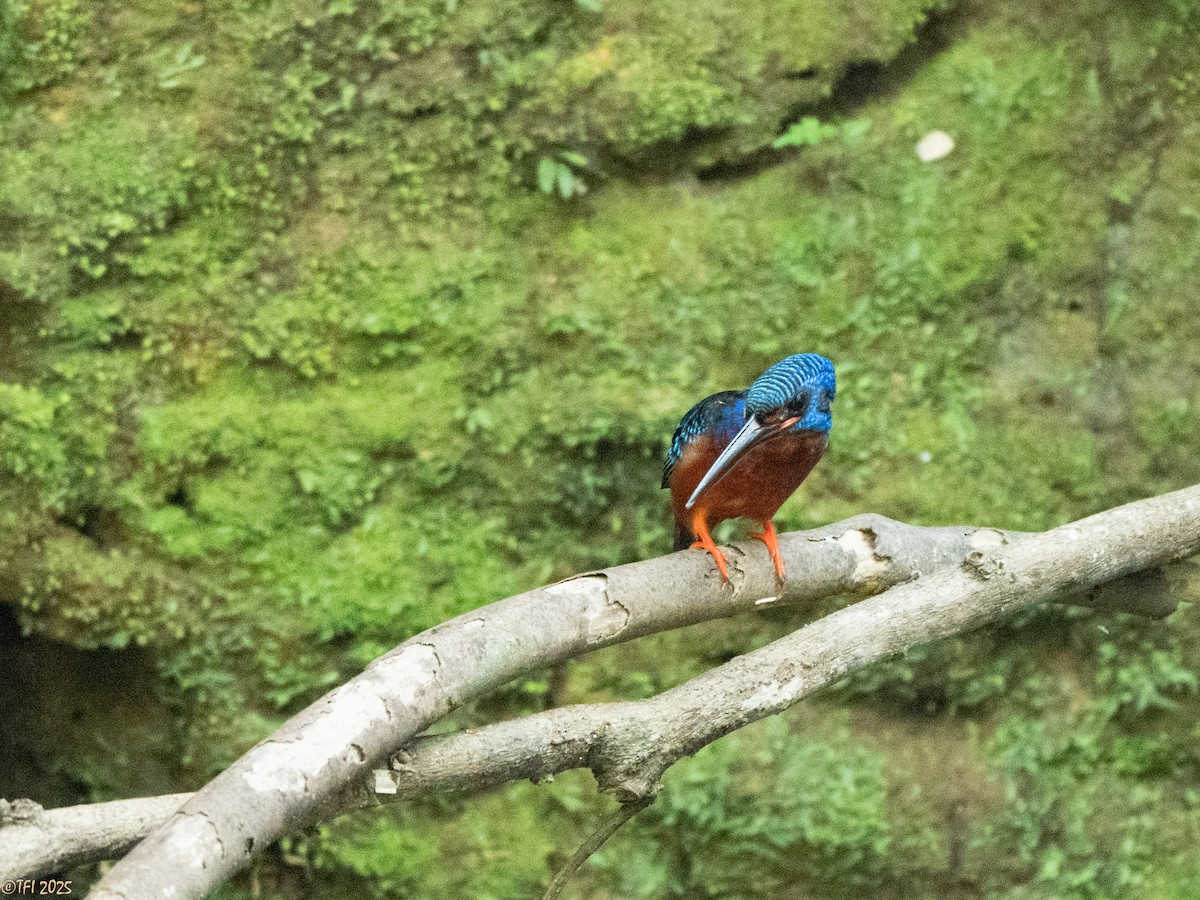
column 753, row 432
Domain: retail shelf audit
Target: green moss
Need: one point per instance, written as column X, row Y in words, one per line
column 30, row 450
column 706, row 75
column 727, row 818
column 85, row 199
column 492, row 847
column 41, row 42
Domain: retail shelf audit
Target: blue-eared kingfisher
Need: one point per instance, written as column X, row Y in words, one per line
column 740, row 454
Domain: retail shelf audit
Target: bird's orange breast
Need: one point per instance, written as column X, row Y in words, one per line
column 755, row 487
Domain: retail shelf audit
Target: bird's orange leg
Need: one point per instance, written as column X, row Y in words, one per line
column 705, row 542
column 771, row 539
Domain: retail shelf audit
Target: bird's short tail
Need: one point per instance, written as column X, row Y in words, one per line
column 683, row 537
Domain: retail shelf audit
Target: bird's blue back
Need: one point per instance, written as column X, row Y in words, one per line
column 722, row 415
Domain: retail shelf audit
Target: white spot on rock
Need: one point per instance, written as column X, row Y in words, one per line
column 604, row 620
column 765, row 600
column 570, row 586
column 934, row 146
column 275, row 767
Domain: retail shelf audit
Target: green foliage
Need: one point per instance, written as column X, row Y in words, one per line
column 393, row 861
column 30, row 449
column 748, row 813
column 811, row 131
column 42, row 42
column 1077, row 831
column 808, row 132
column 88, row 202
column 556, row 176
column 488, row 848
column 1137, row 678
column 10, row 48
column 175, row 65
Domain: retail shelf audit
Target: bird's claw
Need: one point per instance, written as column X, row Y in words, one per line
column 718, row 557
column 771, row 539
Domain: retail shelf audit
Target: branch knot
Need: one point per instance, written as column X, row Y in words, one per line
column 636, row 790
column 980, row 565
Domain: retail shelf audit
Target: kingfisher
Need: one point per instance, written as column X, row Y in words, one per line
column 741, row 454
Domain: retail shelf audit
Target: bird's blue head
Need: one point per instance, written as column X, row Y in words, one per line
column 795, row 394
column 798, row 390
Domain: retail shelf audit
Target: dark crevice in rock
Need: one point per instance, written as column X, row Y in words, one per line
column 180, row 498
column 869, row 80
column 62, row 703
column 744, row 167
column 860, row 83
column 101, row 526
column 125, row 340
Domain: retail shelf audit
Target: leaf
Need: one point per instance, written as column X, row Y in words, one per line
column 568, row 184
column 547, row 173
column 809, row 131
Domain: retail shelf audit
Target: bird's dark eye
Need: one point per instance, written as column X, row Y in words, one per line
column 798, row 405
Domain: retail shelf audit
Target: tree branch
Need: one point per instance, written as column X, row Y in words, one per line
column 300, row 773
column 36, row 842
column 594, row 842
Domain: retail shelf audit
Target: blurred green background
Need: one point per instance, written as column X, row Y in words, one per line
column 324, row 321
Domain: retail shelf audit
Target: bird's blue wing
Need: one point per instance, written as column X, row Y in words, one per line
column 718, row 414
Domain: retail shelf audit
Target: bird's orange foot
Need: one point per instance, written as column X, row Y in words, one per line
column 717, row 555
column 771, row 539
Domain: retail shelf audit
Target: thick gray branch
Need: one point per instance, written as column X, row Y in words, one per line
column 300, row 773
column 36, row 841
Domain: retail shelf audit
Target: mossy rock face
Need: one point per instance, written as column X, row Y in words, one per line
column 323, row 323
column 428, row 104
column 706, row 82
